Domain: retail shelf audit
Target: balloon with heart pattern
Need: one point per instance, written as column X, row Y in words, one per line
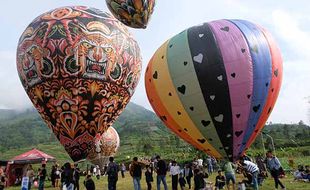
column 215, row 84
column 106, row 145
column 79, row 66
column 133, row 13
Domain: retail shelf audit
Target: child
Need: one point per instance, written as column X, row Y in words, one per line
column 182, row 181
column 148, row 177
column 89, row 183
column 220, row 180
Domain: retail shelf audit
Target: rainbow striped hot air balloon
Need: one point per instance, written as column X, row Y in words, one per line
column 215, row 84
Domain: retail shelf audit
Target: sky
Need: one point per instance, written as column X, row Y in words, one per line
column 287, row 20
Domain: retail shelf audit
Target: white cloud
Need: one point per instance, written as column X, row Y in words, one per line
column 12, row 94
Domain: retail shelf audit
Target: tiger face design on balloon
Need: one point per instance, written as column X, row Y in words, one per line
column 97, row 55
column 35, row 64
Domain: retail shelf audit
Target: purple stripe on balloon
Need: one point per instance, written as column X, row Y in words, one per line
column 238, row 65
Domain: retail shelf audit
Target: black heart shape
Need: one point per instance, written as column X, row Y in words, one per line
column 210, row 139
column 238, row 115
column 185, row 63
column 233, row 75
column 276, row 72
column 179, row 113
column 162, row 57
column 170, row 94
column 164, row 118
column 256, row 108
column 201, row 140
column 226, row 29
column 155, row 75
column 205, row 123
column 238, row 133
column 182, row 89
column 185, row 129
column 191, row 108
column 269, row 110
column 249, row 96
column 242, row 50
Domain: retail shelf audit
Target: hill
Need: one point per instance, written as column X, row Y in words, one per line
column 141, row 133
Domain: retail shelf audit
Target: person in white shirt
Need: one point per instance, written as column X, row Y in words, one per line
column 252, row 169
column 174, row 172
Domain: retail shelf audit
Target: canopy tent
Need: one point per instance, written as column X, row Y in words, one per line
column 17, row 166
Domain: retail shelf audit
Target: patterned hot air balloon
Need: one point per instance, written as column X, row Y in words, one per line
column 215, row 84
column 133, row 13
column 105, row 146
column 79, row 66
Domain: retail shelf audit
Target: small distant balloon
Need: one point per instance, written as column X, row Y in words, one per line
column 133, row 13
column 79, row 66
column 215, row 85
column 105, row 147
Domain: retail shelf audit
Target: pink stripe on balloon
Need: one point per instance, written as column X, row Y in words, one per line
column 238, row 65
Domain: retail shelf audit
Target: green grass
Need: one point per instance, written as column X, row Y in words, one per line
column 127, row 184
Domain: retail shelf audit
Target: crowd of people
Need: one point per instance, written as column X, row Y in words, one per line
column 194, row 174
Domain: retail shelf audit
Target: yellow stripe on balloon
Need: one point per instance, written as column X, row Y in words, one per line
column 167, row 93
column 160, row 110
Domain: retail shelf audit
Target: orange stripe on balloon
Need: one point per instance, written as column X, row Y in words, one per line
column 275, row 85
column 160, row 109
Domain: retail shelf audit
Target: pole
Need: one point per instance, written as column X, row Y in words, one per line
column 261, row 134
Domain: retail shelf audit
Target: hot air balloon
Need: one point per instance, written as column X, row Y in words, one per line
column 133, row 13
column 79, row 66
column 215, row 84
column 106, row 145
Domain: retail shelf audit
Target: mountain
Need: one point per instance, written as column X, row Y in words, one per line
column 137, row 127
column 141, row 133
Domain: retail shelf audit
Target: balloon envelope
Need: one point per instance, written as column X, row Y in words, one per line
column 79, row 66
column 105, row 146
column 133, row 13
column 215, row 84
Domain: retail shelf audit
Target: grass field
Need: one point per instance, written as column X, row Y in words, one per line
column 127, row 184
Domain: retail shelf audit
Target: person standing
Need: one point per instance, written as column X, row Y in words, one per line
column 57, row 177
column 112, row 172
column 123, row 169
column 53, row 175
column 136, row 173
column 161, row 170
column 252, row 169
column 188, row 173
column 174, row 172
column 42, row 176
column 30, row 175
column 67, row 177
column 274, row 165
column 148, row 177
column 182, row 181
column 89, row 183
column 229, row 174
column 209, row 164
column 76, row 177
